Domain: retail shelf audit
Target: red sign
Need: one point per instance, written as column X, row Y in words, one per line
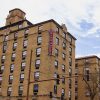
column 50, row 42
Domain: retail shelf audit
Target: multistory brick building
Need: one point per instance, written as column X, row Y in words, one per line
column 86, row 68
column 37, row 61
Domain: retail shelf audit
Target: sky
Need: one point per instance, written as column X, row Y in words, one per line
column 82, row 18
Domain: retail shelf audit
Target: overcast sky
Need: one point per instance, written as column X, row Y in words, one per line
column 82, row 18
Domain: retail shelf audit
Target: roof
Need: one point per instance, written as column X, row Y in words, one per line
column 87, row 57
column 32, row 25
column 4, row 27
column 17, row 9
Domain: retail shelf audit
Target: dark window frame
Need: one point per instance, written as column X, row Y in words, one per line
column 56, row 66
column 24, row 56
column 36, row 89
column 3, row 60
column 26, row 32
column 13, row 57
column 36, row 77
column 55, row 89
column 38, row 54
column 15, row 36
column 23, row 67
column 14, row 47
column 56, row 52
column 24, row 45
column 57, row 41
column 2, row 70
column 9, row 92
column 20, row 92
column 22, row 79
column 39, row 42
column 10, row 80
column 37, row 65
column 12, row 68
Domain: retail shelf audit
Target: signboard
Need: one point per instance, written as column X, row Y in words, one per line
column 50, row 42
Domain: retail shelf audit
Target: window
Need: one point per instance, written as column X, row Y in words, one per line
column 55, row 89
column 63, row 79
column 70, row 83
column 64, row 45
column 76, row 81
column 10, row 79
column 11, row 68
column 20, row 26
column 40, row 28
column 70, row 61
column 25, row 43
column 76, row 89
column 35, row 88
column 2, row 69
column 0, row 80
column 55, row 75
column 76, row 95
column 6, row 38
column 39, row 40
column 70, row 72
column 76, row 65
column 57, row 41
column 21, row 77
column 9, row 91
column 86, row 74
column 36, row 75
column 4, row 47
column 69, row 95
column 37, row 63
column 23, row 64
column 13, row 56
column 70, row 39
column 58, row 79
column 0, row 90
column 56, row 52
column 20, row 91
column 15, row 36
column 14, row 46
column 64, row 35
column 38, row 52
column 76, row 70
column 63, row 91
column 56, row 63
column 26, row 33
column 70, row 51
column 57, row 29
column 24, row 54
column 63, row 67
column 87, row 93
column 63, row 56
column 3, row 58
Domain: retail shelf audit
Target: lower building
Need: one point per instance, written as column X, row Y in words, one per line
column 87, row 72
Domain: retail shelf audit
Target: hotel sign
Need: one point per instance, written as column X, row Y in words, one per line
column 50, row 42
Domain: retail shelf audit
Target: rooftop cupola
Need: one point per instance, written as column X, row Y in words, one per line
column 14, row 16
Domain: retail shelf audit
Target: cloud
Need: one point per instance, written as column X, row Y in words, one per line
column 82, row 17
column 96, row 47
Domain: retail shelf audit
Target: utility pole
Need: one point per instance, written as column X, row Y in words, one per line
column 29, row 76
